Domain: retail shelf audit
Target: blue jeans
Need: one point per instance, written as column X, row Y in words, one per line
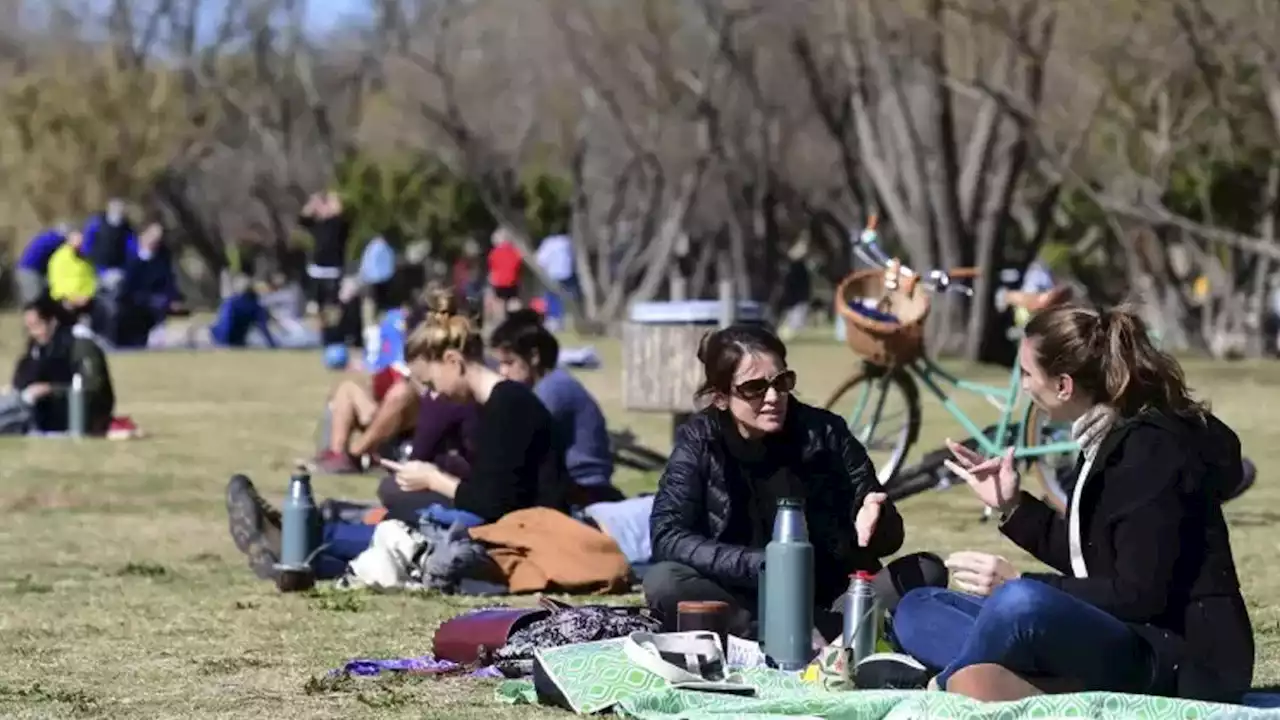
column 1028, row 627
column 344, row 541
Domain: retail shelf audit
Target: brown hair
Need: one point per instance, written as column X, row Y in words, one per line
column 445, row 327
column 1109, row 354
column 721, row 351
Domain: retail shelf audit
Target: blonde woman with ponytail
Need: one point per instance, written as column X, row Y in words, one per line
column 1145, row 597
column 518, row 458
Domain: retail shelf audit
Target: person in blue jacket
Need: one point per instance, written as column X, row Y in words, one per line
column 109, row 243
column 110, row 240
column 149, row 292
column 240, row 313
column 33, row 264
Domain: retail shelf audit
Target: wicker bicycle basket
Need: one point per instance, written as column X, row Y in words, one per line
column 888, row 341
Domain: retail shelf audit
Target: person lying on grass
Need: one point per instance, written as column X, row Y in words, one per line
column 527, row 352
column 517, row 462
column 753, row 445
column 1145, row 598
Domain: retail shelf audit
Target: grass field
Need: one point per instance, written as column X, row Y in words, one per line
column 121, row 594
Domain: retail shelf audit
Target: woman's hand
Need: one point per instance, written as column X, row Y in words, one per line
column 868, row 516
column 980, row 573
column 415, row 475
column 994, row 480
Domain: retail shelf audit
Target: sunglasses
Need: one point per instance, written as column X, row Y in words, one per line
column 784, row 382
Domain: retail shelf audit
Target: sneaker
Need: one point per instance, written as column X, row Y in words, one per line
column 123, row 428
column 254, row 525
column 332, row 463
column 890, row 671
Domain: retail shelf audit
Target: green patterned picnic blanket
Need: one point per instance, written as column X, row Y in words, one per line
column 597, row 677
column 667, row 704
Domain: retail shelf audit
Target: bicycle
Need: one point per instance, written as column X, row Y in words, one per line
column 888, row 335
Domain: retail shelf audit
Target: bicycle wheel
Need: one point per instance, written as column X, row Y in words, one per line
column 882, row 409
column 1055, row 472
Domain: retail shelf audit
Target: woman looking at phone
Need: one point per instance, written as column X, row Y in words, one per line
column 518, row 461
column 517, row 458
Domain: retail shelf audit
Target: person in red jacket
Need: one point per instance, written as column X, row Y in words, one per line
column 504, row 273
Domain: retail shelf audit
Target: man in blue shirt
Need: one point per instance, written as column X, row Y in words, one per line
column 33, row 264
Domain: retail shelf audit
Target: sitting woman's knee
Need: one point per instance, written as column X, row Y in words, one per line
column 915, row 619
column 400, row 393
column 662, row 582
column 918, row 598
column 1017, row 599
column 344, row 388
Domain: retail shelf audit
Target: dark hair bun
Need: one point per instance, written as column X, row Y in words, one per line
column 706, row 344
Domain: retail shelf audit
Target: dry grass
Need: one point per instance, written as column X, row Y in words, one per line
column 123, row 596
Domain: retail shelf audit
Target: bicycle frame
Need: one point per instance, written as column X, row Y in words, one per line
column 933, row 377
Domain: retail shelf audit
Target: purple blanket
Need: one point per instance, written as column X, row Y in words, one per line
column 425, row 665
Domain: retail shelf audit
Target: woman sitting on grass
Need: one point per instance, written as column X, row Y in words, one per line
column 1146, row 598
column 731, row 464
column 517, row 461
column 527, row 352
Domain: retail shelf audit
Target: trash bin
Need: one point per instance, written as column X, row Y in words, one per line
column 660, row 368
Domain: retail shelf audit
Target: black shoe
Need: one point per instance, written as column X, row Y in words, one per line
column 255, row 526
column 890, row 671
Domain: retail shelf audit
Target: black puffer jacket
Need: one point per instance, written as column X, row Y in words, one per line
column 692, row 508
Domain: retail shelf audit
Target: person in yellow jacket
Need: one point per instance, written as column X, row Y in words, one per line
column 73, row 281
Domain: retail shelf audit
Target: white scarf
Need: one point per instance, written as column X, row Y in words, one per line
column 1088, row 431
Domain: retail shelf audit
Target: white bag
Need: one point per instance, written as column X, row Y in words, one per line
column 687, row 660
column 389, row 560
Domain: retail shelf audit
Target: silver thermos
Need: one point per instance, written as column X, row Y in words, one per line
column 75, row 407
column 861, row 617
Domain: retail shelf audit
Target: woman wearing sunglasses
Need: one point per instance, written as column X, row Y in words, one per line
column 752, row 445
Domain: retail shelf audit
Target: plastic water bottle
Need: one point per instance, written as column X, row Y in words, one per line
column 788, row 589
column 300, row 523
column 861, row 617
column 75, row 407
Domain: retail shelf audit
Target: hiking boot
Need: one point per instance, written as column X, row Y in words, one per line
column 254, row 525
column 332, row 463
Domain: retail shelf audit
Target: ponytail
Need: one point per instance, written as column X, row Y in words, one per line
column 1109, row 353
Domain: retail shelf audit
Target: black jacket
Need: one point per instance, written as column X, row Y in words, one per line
column 1156, row 547
column 55, row 363
column 692, row 508
column 110, row 246
column 330, row 236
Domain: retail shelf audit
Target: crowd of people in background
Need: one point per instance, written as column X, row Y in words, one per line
column 469, row 427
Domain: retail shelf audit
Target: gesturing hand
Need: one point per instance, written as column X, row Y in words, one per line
column 994, row 480
column 868, row 516
column 979, row 573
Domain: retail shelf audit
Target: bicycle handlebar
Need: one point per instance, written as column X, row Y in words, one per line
column 868, row 249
